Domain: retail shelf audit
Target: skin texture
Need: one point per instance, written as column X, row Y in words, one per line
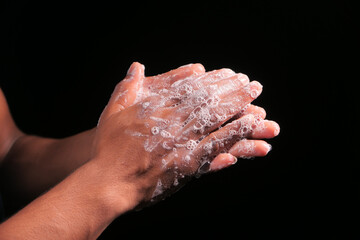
column 155, row 134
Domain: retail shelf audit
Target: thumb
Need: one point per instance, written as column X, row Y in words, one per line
column 126, row 91
column 125, row 94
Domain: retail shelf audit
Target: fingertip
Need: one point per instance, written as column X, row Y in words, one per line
column 276, row 129
column 262, row 148
column 257, row 86
column 252, row 90
column 256, row 83
column 261, row 112
column 250, row 148
column 134, row 68
column 256, row 111
column 198, row 68
column 266, row 129
column 194, row 68
column 222, row 161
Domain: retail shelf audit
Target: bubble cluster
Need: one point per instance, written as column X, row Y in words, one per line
column 187, row 158
column 166, row 145
column 208, row 148
column 247, row 125
column 191, row 145
column 191, row 107
column 247, row 148
column 203, row 115
column 185, row 89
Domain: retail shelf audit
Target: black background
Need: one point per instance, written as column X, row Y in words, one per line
column 61, row 60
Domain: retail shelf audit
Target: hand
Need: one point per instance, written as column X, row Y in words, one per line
column 136, row 87
column 169, row 134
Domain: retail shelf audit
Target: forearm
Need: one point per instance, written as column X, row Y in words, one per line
column 9, row 132
column 34, row 164
column 80, row 207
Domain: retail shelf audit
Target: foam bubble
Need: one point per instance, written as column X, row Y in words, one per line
column 166, row 145
column 164, row 90
column 186, row 88
column 165, row 134
column 232, row 132
column 145, row 105
column 178, row 145
column 208, row 147
column 254, row 93
column 176, row 182
column 155, row 130
column 149, row 146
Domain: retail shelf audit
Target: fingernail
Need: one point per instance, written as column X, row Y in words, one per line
column 235, row 160
column 132, row 69
column 269, row 147
column 185, row 66
column 277, row 130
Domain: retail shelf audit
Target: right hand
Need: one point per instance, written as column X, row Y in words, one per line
column 151, row 148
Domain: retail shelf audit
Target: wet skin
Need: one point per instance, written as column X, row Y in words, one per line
column 155, row 134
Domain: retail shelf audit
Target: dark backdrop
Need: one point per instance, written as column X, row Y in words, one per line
column 61, row 60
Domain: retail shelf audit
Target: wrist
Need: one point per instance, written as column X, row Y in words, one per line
column 115, row 196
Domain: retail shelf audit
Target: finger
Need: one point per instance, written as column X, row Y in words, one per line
column 222, row 161
column 234, row 81
column 192, row 87
column 242, row 149
column 210, row 77
column 266, row 129
column 231, row 91
column 207, row 117
column 250, row 148
column 254, row 110
column 224, row 138
column 233, row 102
column 248, row 126
column 126, row 91
column 130, row 87
column 166, row 79
column 190, row 92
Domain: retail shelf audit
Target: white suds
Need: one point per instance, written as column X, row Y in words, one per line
column 155, row 130
column 191, row 145
column 158, row 190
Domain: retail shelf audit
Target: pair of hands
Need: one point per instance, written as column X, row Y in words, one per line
column 157, row 132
